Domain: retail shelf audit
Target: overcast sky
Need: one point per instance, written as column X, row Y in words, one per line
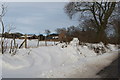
column 34, row 18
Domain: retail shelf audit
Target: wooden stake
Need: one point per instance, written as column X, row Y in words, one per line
column 25, row 41
column 21, row 44
column 45, row 41
column 10, row 47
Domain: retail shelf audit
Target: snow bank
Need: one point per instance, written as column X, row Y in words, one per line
column 112, row 47
column 73, row 61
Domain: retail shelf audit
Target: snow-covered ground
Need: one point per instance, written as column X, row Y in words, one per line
column 73, row 61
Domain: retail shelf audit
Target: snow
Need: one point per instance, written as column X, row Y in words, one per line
column 86, row 69
column 73, row 61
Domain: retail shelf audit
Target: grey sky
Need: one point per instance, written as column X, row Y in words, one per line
column 35, row 17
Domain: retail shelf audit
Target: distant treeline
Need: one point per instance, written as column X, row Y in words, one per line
column 87, row 33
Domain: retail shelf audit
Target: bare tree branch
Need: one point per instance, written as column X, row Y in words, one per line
column 101, row 12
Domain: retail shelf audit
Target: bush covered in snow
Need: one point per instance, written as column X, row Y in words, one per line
column 74, row 42
column 98, row 48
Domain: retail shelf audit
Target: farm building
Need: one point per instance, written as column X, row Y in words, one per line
column 29, row 37
column 12, row 35
column 53, row 37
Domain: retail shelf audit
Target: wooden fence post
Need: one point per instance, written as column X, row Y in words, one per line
column 14, row 42
column 45, row 40
column 38, row 41
column 25, row 41
column 11, row 47
column 54, row 40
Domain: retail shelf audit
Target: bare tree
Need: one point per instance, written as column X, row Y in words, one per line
column 62, row 34
column 100, row 13
column 47, row 31
column 60, row 30
column 115, row 25
column 10, row 28
column 2, row 14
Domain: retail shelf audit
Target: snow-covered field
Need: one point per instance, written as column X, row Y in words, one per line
column 53, row 61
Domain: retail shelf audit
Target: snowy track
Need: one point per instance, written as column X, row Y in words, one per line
column 35, row 61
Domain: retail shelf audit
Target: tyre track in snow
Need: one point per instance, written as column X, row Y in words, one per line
column 88, row 69
column 45, row 58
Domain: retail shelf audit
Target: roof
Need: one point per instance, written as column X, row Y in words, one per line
column 27, row 36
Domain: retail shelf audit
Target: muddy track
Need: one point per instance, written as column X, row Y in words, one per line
column 111, row 71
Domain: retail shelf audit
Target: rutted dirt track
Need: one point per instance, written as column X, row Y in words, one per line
column 111, row 71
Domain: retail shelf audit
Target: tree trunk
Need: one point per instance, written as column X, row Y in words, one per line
column 102, row 35
column 2, row 41
column 2, row 47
